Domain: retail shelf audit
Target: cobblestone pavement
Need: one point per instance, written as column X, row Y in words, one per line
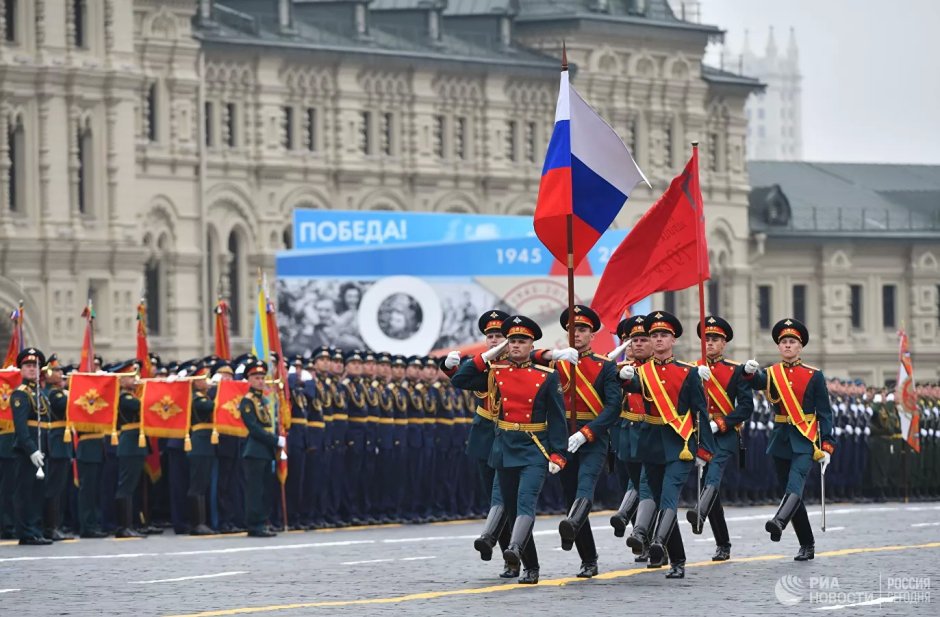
column 873, row 560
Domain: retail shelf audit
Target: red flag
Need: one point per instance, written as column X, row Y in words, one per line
column 659, row 253
column 222, row 347
column 10, row 380
column 227, row 416
column 16, row 340
column 92, row 402
column 282, row 389
column 166, row 408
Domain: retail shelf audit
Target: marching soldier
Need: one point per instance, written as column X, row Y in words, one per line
column 259, row 449
column 802, row 430
column 131, row 450
column 30, row 408
column 729, row 400
column 530, row 430
column 633, row 409
column 202, row 455
column 58, row 463
column 884, row 423
column 480, row 444
column 675, row 403
column 595, row 406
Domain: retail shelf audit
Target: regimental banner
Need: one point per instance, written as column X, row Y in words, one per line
column 425, row 290
column 10, row 380
column 166, row 408
column 92, row 402
column 226, row 415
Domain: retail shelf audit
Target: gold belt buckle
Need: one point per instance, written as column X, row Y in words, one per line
column 517, row 427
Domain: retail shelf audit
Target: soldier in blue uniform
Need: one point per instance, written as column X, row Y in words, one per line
column 30, row 407
column 296, row 446
column 202, row 455
column 369, row 462
column 633, row 410
column 229, row 477
column 480, row 444
column 387, row 473
column 59, row 452
column 444, row 480
column 675, row 405
column 357, row 412
column 592, row 400
column 730, row 403
column 318, row 506
column 258, row 454
column 400, row 408
column 802, row 430
column 417, row 456
column 176, row 465
column 530, row 431
column 338, row 430
column 131, row 449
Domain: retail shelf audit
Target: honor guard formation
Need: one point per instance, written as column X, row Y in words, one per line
column 505, row 434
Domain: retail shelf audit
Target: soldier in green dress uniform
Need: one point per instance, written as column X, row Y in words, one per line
column 258, row 455
column 202, row 455
column 59, row 452
column 30, row 408
column 132, row 450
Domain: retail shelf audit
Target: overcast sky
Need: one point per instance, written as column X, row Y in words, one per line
column 871, row 71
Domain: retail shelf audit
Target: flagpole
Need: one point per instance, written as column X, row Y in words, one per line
column 569, row 228
column 700, row 234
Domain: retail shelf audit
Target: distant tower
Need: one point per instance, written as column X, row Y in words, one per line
column 775, row 128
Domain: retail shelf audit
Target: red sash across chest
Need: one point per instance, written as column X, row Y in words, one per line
column 518, row 387
column 716, row 388
column 588, row 369
column 798, row 378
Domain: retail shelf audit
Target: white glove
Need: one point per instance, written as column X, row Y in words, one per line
column 616, row 353
column 281, row 441
column 627, row 372
column 924, row 432
column 752, row 425
column 760, row 426
column 838, row 431
column 489, row 354
column 713, row 425
column 576, row 441
column 876, row 399
column 452, row 359
column 704, row 373
column 867, row 431
column 553, row 468
column 849, row 429
column 37, row 458
column 824, row 462
column 565, row 354
column 700, row 462
column 751, row 366
column 890, row 397
column 283, row 455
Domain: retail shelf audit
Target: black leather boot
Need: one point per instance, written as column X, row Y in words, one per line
column 677, row 570
column 529, row 577
column 806, row 553
column 722, row 553
column 197, row 517
column 495, row 519
column 697, row 517
column 642, row 557
column 51, row 521
column 781, row 519
column 123, row 511
column 622, row 516
column 588, row 569
column 569, row 527
column 509, row 571
column 658, row 554
column 521, row 530
column 645, row 513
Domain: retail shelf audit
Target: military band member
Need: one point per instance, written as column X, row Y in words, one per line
column 596, row 406
column 202, row 454
column 530, row 431
column 633, row 410
column 59, row 458
column 480, row 444
column 131, row 449
column 675, row 404
column 258, row 455
column 802, row 430
column 730, row 404
column 30, row 407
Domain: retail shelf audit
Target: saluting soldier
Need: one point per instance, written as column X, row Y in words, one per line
column 595, row 407
column 259, row 449
column 30, row 408
column 530, row 430
column 131, row 449
column 632, row 412
column 730, row 404
column 480, row 444
column 202, row 455
column 59, row 457
column 675, row 404
column 802, row 430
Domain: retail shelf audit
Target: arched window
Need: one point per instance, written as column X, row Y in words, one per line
column 80, row 21
column 85, row 158
column 152, row 116
column 154, row 295
column 16, row 145
column 235, row 269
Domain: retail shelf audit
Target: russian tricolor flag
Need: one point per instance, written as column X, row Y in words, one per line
column 588, row 174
